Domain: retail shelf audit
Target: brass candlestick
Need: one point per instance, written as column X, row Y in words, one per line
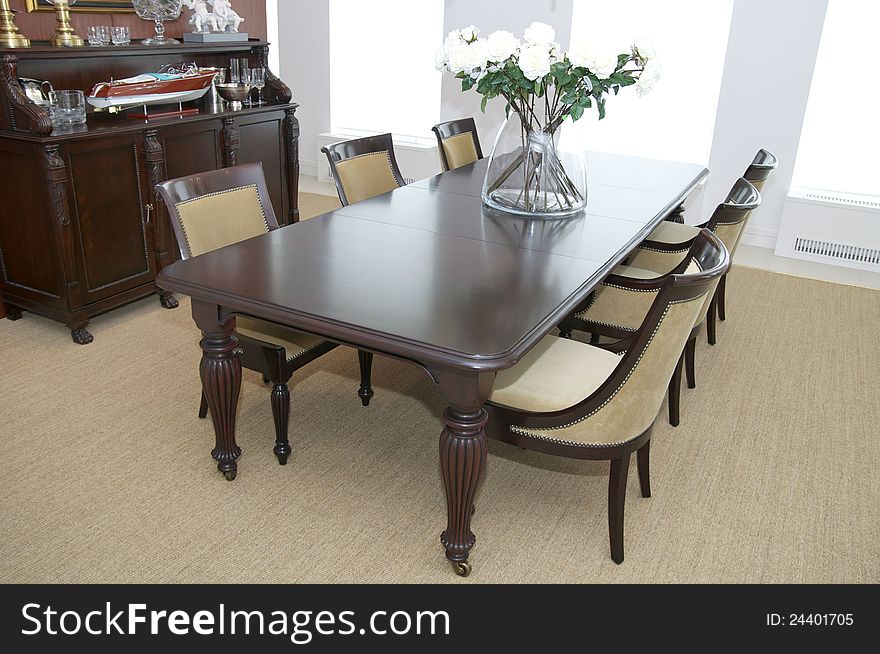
column 9, row 36
column 65, row 36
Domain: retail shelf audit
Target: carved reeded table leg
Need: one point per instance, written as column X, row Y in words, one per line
column 281, row 414
column 220, row 371
column 167, row 300
column 463, row 447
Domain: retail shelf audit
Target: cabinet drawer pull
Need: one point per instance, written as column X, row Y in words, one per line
column 149, row 209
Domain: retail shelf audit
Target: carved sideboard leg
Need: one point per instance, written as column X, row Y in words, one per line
column 13, row 312
column 167, row 300
column 80, row 335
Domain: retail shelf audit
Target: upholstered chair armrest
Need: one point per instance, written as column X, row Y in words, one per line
column 634, row 283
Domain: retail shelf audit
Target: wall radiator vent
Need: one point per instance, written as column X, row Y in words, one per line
column 852, row 253
column 852, row 200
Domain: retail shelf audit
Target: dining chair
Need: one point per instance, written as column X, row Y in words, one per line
column 665, row 246
column 363, row 168
column 457, row 143
column 589, row 402
column 220, row 207
column 619, row 305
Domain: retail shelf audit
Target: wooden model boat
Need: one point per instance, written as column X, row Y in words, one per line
column 152, row 88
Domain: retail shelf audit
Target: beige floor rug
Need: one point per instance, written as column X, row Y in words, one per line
column 107, row 477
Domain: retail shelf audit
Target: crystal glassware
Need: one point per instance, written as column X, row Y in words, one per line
column 234, row 72
column 258, row 81
column 99, row 35
column 67, row 107
column 120, row 35
column 158, row 11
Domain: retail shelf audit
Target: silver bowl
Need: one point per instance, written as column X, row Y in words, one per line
column 234, row 94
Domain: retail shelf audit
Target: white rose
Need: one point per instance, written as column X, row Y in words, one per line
column 534, row 61
column 645, row 48
column 648, row 78
column 539, row 34
column 476, row 54
column 456, row 57
column 501, row 45
column 602, row 65
column 440, row 58
column 469, row 33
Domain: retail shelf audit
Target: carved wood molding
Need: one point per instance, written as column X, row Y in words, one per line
column 230, row 141
column 57, row 178
column 291, row 132
column 279, row 90
column 20, row 112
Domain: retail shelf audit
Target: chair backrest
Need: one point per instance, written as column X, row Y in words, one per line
column 217, row 208
column 730, row 218
column 458, row 143
column 759, row 170
column 363, row 167
column 629, row 400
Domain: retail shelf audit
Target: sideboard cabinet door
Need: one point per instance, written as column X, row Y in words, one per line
column 114, row 246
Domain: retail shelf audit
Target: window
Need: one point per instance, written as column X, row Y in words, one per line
column 676, row 119
column 382, row 76
column 840, row 137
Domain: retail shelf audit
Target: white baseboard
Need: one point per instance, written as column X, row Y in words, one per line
column 309, row 168
column 761, row 237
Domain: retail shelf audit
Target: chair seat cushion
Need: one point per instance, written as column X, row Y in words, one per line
column 555, row 374
column 294, row 343
column 669, row 232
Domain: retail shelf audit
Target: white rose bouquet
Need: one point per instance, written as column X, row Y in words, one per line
column 543, row 86
column 535, row 69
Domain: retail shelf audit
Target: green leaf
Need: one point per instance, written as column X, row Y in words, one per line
column 600, row 105
column 576, row 112
column 483, row 103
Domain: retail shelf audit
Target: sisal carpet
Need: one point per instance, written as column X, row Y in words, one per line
column 107, row 476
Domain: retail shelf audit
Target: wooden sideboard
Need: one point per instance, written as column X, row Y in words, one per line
column 81, row 228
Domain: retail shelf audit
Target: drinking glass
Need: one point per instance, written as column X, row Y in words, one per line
column 67, row 107
column 234, row 72
column 258, row 81
column 246, row 79
column 99, row 35
column 120, row 35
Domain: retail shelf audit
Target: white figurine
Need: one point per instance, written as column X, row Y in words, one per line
column 226, row 16
column 202, row 20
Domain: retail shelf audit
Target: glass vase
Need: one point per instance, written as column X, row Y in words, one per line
column 528, row 174
column 158, row 11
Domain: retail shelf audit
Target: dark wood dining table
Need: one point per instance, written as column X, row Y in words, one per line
column 428, row 275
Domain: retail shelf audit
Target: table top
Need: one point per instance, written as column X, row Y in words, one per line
column 428, row 273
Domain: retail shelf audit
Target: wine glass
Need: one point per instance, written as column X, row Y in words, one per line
column 158, row 11
column 258, row 81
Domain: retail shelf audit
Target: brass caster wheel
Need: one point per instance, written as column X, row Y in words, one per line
column 229, row 475
column 462, row 568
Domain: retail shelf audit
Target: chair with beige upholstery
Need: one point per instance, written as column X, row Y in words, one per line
column 217, row 208
column 666, row 245
column 363, row 168
column 586, row 402
column 458, row 143
column 619, row 305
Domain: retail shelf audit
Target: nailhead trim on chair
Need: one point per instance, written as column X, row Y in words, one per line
column 308, row 349
column 643, row 247
column 525, row 431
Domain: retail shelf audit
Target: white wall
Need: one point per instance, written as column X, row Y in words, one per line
column 304, row 54
column 767, row 74
column 764, row 91
column 491, row 15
